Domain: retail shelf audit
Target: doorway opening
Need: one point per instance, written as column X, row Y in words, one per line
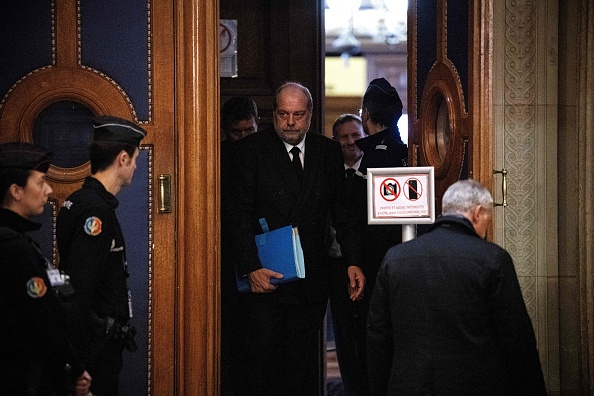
column 365, row 39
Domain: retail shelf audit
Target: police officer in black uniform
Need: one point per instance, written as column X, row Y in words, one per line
column 92, row 252
column 36, row 356
column 382, row 148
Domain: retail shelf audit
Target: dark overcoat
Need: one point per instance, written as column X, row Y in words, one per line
column 447, row 317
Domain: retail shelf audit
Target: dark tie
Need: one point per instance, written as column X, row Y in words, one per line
column 350, row 176
column 350, row 173
column 297, row 162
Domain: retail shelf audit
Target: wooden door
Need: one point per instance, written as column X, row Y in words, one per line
column 64, row 61
column 449, row 97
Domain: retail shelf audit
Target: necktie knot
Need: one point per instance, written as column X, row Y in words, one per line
column 350, row 173
column 296, row 161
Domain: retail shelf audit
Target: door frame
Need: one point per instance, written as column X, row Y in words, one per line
column 197, row 309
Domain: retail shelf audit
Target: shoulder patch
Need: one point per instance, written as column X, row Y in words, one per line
column 93, row 226
column 36, row 287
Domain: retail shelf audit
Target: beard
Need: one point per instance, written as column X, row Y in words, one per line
column 291, row 136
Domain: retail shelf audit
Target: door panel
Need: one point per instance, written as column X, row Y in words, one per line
column 449, row 94
column 134, row 214
column 104, row 57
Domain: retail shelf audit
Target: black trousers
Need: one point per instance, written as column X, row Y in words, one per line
column 349, row 319
column 105, row 370
column 283, row 348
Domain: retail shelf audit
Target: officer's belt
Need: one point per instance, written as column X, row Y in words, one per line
column 107, row 323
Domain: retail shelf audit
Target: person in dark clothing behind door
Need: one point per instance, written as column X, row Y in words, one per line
column 383, row 148
column 447, row 315
column 92, row 252
column 36, row 356
column 349, row 322
column 239, row 118
column 380, row 112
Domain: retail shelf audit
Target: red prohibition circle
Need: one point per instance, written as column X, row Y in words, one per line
column 418, row 190
column 387, row 190
column 226, row 38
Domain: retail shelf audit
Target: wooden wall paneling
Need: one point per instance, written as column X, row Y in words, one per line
column 338, row 105
column 481, row 93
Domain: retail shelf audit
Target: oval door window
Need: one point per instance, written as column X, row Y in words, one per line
column 442, row 130
column 65, row 128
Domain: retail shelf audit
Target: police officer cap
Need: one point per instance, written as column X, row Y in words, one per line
column 27, row 156
column 380, row 91
column 114, row 129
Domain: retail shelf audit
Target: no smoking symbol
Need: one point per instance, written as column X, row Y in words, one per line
column 390, row 189
column 413, row 189
column 226, row 38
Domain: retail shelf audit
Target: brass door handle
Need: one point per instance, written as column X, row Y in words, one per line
column 503, row 187
column 164, row 193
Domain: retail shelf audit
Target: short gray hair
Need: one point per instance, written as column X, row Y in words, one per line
column 465, row 195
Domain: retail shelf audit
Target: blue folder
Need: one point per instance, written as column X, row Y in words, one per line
column 279, row 250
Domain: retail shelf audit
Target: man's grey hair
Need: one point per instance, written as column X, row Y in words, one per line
column 465, row 195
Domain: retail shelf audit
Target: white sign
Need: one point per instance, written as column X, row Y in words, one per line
column 400, row 195
column 228, row 58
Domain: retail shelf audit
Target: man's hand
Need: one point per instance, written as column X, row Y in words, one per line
column 260, row 280
column 82, row 384
column 356, row 283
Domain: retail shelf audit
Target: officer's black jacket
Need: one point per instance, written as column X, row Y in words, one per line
column 91, row 247
column 32, row 321
column 383, row 149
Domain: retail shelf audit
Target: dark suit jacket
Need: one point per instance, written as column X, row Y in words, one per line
column 267, row 187
column 447, row 317
column 381, row 150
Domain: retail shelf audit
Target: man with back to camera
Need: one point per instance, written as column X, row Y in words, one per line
column 36, row 356
column 447, row 314
column 380, row 112
column 239, row 118
column 291, row 176
column 92, row 252
column 349, row 322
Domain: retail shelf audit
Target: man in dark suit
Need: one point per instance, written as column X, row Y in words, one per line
column 349, row 318
column 383, row 148
column 447, row 315
column 288, row 175
column 239, row 118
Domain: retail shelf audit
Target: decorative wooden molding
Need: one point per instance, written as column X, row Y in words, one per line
column 198, row 231
column 443, row 84
column 586, row 189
